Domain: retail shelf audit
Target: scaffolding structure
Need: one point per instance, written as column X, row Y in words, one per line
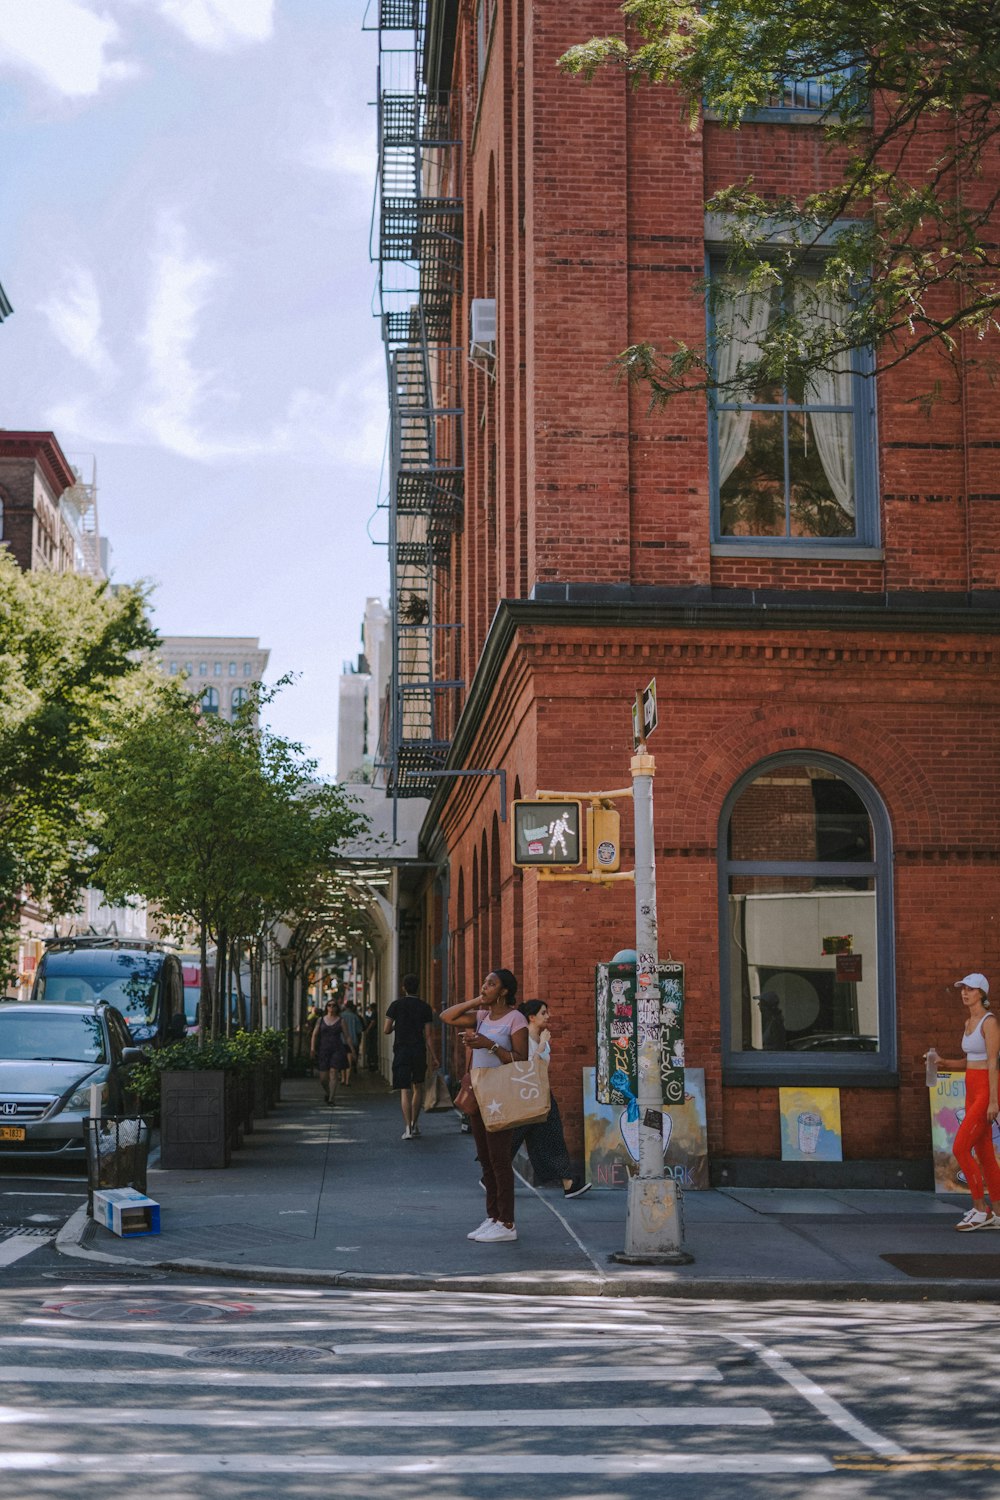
column 417, row 234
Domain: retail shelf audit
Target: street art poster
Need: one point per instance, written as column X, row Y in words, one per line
column 947, row 1113
column 810, row 1125
column 611, row 1136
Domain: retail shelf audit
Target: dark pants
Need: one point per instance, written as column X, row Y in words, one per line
column 493, row 1149
column 546, row 1147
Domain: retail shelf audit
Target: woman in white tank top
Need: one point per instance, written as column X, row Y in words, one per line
column 974, row 1142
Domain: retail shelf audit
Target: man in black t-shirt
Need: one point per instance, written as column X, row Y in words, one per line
column 411, row 1020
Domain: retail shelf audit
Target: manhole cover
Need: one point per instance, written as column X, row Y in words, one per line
column 285, row 1356
column 159, row 1309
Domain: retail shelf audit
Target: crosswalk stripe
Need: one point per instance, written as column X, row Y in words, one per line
column 356, row 1380
column 573, row 1416
column 19, row 1245
column 667, row 1463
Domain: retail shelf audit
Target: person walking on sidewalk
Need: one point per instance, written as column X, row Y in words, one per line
column 500, row 1035
column 330, row 1049
column 409, row 1021
column 545, row 1141
column 351, row 1022
column 973, row 1146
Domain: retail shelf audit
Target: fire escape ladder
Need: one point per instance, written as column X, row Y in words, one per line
column 419, row 220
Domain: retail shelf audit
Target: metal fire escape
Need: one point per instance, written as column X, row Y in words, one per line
column 417, row 244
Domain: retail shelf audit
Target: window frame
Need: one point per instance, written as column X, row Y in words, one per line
column 793, row 1068
column 866, row 541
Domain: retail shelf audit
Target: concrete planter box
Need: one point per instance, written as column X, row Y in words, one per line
column 194, row 1129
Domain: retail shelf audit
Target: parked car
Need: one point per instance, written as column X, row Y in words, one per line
column 143, row 980
column 826, row 1041
column 50, row 1057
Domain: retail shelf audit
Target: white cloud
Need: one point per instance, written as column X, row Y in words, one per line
column 181, row 282
column 64, row 43
column 74, row 315
column 219, row 24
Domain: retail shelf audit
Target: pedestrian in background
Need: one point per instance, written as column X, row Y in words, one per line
column 351, row 1022
column 369, row 1039
column 973, row 1146
column 500, row 1036
column 330, row 1049
column 545, row 1141
column 410, row 1021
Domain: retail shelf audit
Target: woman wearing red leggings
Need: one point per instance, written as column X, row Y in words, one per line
column 974, row 1142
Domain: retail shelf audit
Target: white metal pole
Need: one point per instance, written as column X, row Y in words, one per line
column 654, row 1224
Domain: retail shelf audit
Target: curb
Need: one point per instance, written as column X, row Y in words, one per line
column 548, row 1284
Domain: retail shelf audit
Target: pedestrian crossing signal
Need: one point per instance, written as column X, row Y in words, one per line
column 546, row 833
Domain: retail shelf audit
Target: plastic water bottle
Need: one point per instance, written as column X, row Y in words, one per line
column 932, row 1068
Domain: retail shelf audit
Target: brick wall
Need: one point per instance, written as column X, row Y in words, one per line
column 585, row 217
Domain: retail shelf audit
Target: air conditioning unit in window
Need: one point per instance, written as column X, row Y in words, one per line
column 483, row 326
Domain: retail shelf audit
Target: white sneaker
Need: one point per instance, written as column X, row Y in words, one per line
column 477, row 1232
column 407, row 1134
column 494, row 1233
column 975, row 1219
column 414, row 1132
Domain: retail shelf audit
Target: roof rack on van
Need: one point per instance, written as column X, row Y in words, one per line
column 145, row 945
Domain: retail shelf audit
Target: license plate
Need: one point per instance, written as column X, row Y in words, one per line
column 11, row 1132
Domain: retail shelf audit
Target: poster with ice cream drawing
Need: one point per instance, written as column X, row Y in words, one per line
column 810, row 1125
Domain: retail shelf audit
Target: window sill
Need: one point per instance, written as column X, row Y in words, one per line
column 828, row 1076
column 852, row 551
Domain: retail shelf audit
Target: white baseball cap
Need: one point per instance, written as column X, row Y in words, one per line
column 974, row 982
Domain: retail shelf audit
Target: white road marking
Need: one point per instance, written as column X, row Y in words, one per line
column 573, row 1416
column 334, row 1327
column 827, row 1405
column 20, row 1245
column 459, row 1463
column 601, row 1272
column 357, row 1380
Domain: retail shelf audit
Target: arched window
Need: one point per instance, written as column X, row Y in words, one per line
column 239, row 697
column 210, row 701
column 806, row 923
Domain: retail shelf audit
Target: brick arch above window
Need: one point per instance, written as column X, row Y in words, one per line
column 869, row 747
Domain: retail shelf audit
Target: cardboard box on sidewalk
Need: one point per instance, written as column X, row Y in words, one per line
column 126, row 1212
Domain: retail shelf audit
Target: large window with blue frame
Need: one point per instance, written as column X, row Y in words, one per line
column 805, row 900
column 791, row 461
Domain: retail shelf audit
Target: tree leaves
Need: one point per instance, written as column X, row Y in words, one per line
column 907, row 236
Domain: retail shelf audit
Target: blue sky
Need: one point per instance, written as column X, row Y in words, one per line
column 186, row 190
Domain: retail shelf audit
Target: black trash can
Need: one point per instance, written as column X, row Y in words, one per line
column 117, row 1153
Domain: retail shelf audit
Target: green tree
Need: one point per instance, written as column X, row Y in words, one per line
column 908, row 234
column 221, row 824
column 73, row 656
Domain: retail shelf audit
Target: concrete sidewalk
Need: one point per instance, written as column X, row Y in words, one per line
column 335, row 1197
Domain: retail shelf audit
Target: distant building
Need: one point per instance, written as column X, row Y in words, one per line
column 217, row 669
column 362, row 694
column 48, row 512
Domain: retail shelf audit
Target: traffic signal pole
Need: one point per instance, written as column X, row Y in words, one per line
column 654, row 1221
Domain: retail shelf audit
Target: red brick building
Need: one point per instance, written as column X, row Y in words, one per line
column 813, row 580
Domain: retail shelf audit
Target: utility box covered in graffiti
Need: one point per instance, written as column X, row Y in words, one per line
column 620, row 1007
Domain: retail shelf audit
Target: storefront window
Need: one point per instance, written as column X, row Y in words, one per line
column 806, row 922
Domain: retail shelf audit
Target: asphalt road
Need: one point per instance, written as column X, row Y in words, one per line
column 194, row 1389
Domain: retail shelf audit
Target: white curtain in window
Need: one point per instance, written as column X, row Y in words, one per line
column 833, row 430
column 740, row 323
